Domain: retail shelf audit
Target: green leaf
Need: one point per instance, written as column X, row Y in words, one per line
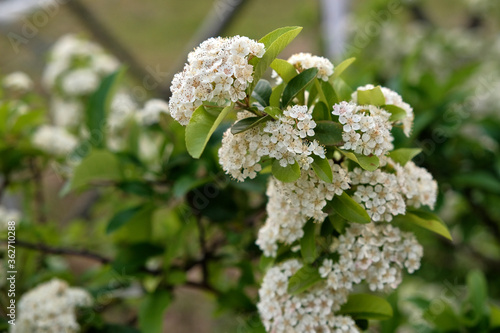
column 98, row 165
column 323, row 169
column 369, row 163
column 349, row 209
column 122, row 217
column 327, row 93
column 98, row 106
column 273, row 111
column 265, row 263
column 303, row 279
column 136, row 187
column 132, row 257
column 328, row 133
column 262, row 92
column 27, row 120
column 342, row 90
column 425, row 220
column 338, row 222
column 371, row 97
column 340, row 68
column 248, row 123
column 494, row 316
column 276, row 95
column 275, row 42
column 479, row 180
column 284, row 69
column 321, row 112
column 297, row 84
column 366, row 306
column 445, row 320
column 404, row 155
column 287, row 174
column 396, row 112
column 477, row 296
column 201, row 127
column 151, row 311
column 308, row 242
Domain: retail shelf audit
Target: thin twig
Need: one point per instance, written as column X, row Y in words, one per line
column 63, row 251
column 39, row 200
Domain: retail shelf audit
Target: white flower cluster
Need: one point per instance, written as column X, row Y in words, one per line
column 379, row 192
column 366, row 129
column 50, row 307
column 307, row 60
column 385, row 195
column 18, row 81
column 417, row 185
column 311, row 311
column 375, row 253
column 6, row 215
column 291, row 205
column 217, row 71
column 54, row 140
column 150, row 113
column 392, row 98
column 76, row 66
column 285, row 140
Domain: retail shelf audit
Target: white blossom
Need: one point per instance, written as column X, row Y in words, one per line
column 54, row 140
column 150, row 113
column 18, row 81
column 217, row 71
column 50, row 307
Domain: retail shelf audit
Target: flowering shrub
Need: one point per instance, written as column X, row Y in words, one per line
column 337, row 181
column 294, row 200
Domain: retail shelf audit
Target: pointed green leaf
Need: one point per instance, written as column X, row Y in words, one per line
column 308, row 242
column 340, row 68
column 99, row 165
column 328, row 133
column 329, row 93
column 321, row 112
column 275, row 98
column 152, row 310
column 404, row 155
column 425, row 220
column 369, row 163
column 121, row 218
column 323, row 169
column 297, row 84
column 262, row 92
column 371, row 97
column 98, row 105
column 303, row 279
column 396, row 112
column 287, row 174
column 494, row 316
column 273, row 111
column 366, row 306
column 477, row 296
column 284, row 69
column 201, row 127
column 349, row 209
column 275, row 42
column 338, row 222
column 248, row 123
column 342, row 89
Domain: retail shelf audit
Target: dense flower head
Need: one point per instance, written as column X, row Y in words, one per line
column 287, row 139
column 291, row 205
column 150, row 113
column 311, row 311
column 76, row 66
column 54, row 140
column 392, row 98
column 366, row 129
column 217, row 71
column 417, row 185
column 50, row 307
column 374, row 253
column 307, row 60
column 18, row 81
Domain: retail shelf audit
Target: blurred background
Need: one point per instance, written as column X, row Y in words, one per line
column 441, row 56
